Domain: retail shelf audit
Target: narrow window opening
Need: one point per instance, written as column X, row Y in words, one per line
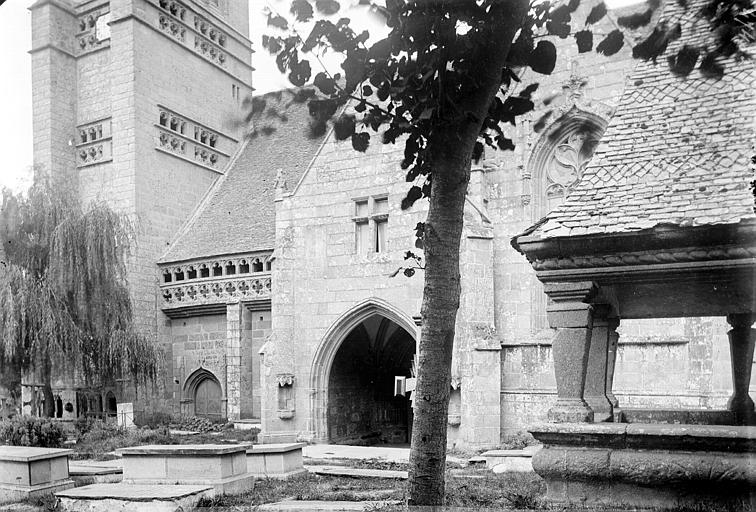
column 167, row 277
column 269, row 265
column 217, row 270
column 244, row 267
column 204, row 271
column 230, row 269
column 180, row 275
column 192, row 273
column 257, row 266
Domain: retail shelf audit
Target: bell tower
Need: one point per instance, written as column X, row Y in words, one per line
column 140, row 101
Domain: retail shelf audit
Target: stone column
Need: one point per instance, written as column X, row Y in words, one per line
column 611, row 359
column 742, row 338
column 233, row 360
column 595, row 381
column 572, row 317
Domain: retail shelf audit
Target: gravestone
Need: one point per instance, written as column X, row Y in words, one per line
column 125, row 415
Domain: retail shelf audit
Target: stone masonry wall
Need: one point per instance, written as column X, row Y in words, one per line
column 257, row 327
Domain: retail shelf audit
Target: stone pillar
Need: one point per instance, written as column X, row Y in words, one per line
column 571, row 315
column 742, row 338
column 611, row 359
column 233, row 360
column 595, row 381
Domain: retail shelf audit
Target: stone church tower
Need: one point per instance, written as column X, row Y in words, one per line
column 141, row 98
column 140, row 101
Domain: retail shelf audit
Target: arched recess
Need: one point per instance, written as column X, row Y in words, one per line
column 320, row 370
column 205, row 394
column 560, row 156
column 556, row 165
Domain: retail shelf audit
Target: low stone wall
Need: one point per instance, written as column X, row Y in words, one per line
column 282, row 460
column 646, row 465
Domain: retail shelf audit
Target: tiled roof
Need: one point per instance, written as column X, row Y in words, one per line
column 676, row 151
column 238, row 214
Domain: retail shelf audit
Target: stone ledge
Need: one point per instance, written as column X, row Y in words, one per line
column 14, row 493
column 208, row 450
column 29, row 454
column 648, row 436
column 275, row 448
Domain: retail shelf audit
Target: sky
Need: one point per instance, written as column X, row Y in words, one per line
column 15, row 78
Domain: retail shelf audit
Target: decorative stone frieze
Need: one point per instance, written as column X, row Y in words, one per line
column 209, row 40
column 180, row 136
column 219, row 281
column 645, row 258
column 172, row 27
column 94, row 143
column 215, row 292
column 93, row 30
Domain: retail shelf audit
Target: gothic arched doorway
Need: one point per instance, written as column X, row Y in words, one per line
column 206, row 393
column 353, row 377
column 362, row 406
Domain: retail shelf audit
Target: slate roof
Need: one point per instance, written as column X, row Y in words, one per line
column 238, row 214
column 676, row 151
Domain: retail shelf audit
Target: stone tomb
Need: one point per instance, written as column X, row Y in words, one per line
column 281, row 460
column 27, row 472
column 223, row 467
column 647, row 465
column 132, row 498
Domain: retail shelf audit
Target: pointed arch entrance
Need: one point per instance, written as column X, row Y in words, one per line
column 352, row 375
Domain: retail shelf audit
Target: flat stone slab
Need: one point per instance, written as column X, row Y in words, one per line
column 77, row 470
column 30, row 454
column 358, row 472
column 133, row 492
column 325, row 506
column 275, row 448
column 185, row 449
column 132, row 498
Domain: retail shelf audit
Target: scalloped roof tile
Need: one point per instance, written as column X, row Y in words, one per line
column 677, row 151
column 238, row 213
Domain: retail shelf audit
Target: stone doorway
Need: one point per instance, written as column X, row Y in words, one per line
column 362, row 405
column 207, row 399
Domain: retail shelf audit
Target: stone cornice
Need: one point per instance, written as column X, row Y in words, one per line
column 662, row 244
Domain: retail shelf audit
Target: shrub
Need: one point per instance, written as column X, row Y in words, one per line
column 30, row 431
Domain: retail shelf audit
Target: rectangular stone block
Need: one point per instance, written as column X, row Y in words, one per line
column 281, row 460
column 224, row 467
column 26, row 472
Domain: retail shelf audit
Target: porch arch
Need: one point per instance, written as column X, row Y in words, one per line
column 322, row 362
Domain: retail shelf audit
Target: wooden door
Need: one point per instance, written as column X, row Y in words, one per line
column 207, row 399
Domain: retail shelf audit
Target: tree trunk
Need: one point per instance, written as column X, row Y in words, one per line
column 450, row 146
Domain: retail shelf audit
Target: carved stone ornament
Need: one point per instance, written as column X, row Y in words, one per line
column 285, row 379
column 568, row 161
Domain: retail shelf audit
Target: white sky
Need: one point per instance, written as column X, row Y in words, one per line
column 15, row 78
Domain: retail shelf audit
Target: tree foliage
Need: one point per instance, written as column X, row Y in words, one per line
column 63, row 290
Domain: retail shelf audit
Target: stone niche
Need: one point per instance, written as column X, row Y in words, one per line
column 27, row 472
column 647, row 465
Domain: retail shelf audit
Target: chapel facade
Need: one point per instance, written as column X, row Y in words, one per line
column 266, row 263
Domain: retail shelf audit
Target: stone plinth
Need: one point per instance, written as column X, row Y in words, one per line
column 224, row 467
column 132, row 498
column 27, row 472
column 282, row 460
column 646, row 465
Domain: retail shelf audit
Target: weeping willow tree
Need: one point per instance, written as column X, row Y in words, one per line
column 64, row 300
